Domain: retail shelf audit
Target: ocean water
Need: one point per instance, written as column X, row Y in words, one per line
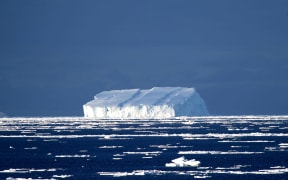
column 228, row 147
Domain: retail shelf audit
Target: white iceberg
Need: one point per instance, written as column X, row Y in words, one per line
column 158, row 102
column 182, row 162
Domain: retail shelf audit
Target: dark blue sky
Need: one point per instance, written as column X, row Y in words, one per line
column 56, row 55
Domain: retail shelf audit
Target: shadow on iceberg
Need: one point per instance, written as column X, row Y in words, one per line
column 157, row 102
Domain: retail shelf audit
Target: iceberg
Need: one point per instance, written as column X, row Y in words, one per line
column 157, row 102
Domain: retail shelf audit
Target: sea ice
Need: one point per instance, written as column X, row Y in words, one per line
column 182, row 162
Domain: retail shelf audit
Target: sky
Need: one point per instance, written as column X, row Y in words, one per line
column 56, row 55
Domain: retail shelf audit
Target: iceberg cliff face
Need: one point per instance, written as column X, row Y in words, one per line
column 158, row 102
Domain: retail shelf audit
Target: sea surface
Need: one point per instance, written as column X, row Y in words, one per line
column 228, row 147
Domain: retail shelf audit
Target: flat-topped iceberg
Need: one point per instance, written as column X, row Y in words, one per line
column 158, row 102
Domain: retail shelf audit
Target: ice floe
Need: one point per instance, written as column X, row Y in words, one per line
column 218, row 152
column 183, row 162
column 249, row 137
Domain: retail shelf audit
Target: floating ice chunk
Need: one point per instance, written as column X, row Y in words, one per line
column 110, row 147
column 283, row 145
column 220, row 152
column 148, row 153
column 171, row 165
column 121, row 174
column 31, row 148
column 62, row 176
column 192, row 163
column 182, row 162
column 73, row 156
column 179, row 160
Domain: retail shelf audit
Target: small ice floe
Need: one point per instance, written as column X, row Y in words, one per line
column 202, row 176
column 73, row 156
column 146, row 153
column 182, row 162
column 62, row 176
column 283, row 145
column 270, row 149
column 31, row 148
column 110, row 147
column 106, row 137
column 26, row 170
column 147, row 157
column 120, row 174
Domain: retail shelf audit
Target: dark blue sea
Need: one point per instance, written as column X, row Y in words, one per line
column 228, row 147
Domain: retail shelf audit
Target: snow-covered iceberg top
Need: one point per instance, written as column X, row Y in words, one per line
column 158, row 102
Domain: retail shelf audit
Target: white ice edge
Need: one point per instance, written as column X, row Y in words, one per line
column 219, row 152
column 212, row 117
column 26, row 170
column 189, row 136
column 74, row 156
column 196, row 172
